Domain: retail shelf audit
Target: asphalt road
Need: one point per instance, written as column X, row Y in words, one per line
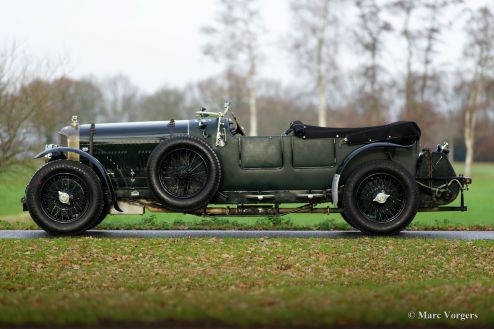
column 461, row 235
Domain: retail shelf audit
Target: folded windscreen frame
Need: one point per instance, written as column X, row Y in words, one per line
column 401, row 132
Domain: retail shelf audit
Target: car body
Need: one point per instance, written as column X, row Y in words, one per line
column 376, row 177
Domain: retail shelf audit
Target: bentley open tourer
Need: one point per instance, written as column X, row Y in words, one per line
column 377, row 177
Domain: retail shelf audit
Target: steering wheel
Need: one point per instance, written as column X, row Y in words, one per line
column 238, row 127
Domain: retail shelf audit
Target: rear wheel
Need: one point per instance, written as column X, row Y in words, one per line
column 380, row 197
column 184, row 173
column 64, row 197
column 350, row 222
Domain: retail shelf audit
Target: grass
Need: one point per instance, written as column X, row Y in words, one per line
column 247, row 282
column 478, row 199
column 12, row 185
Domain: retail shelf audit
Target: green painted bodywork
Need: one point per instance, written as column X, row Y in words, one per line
column 282, row 166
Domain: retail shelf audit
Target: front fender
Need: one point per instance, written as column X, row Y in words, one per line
column 95, row 162
column 355, row 153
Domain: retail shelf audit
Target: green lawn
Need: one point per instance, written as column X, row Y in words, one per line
column 246, row 282
column 249, row 282
column 12, row 185
column 478, row 199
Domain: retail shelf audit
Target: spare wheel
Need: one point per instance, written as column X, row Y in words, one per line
column 184, row 173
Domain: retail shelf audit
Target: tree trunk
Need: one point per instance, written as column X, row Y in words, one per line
column 321, row 92
column 451, row 154
column 320, row 78
column 409, row 85
column 374, row 110
column 470, row 122
column 430, row 39
column 409, row 92
column 409, row 109
column 251, row 84
column 322, row 26
column 451, row 126
column 470, row 117
column 252, row 106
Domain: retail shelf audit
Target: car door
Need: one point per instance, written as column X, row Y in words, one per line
column 313, row 153
column 261, row 152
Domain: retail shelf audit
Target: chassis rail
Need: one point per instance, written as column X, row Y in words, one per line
column 273, row 210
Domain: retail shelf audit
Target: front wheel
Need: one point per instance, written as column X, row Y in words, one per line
column 64, row 197
column 102, row 216
column 380, row 197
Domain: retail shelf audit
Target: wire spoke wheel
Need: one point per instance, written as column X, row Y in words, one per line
column 183, row 173
column 64, row 198
column 381, row 197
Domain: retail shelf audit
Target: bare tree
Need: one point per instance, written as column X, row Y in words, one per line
column 406, row 10
column 430, row 37
column 452, row 103
column 422, row 24
column 235, row 39
column 369, row 35
column 314, row 45
column 211, row 91
column 62, row 98
column 120, row 97
column 480, row 51
column 18, row 103
column 282, row 101
column 164, row 104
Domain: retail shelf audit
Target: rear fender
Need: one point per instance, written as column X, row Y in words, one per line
column 353, row 155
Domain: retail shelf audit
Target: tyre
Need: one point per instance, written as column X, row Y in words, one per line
column 350, row 222
column 64, row 197
column 184, row 173
column 380, row 197
column 345, row 218
column 102, row 216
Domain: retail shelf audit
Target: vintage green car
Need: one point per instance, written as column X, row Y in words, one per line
column 376, row 177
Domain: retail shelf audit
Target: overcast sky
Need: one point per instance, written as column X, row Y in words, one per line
column 154, row 42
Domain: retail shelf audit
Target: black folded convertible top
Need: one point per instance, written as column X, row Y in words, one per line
column 401, row 132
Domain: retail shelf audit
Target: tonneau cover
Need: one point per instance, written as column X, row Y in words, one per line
column 401, row 132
